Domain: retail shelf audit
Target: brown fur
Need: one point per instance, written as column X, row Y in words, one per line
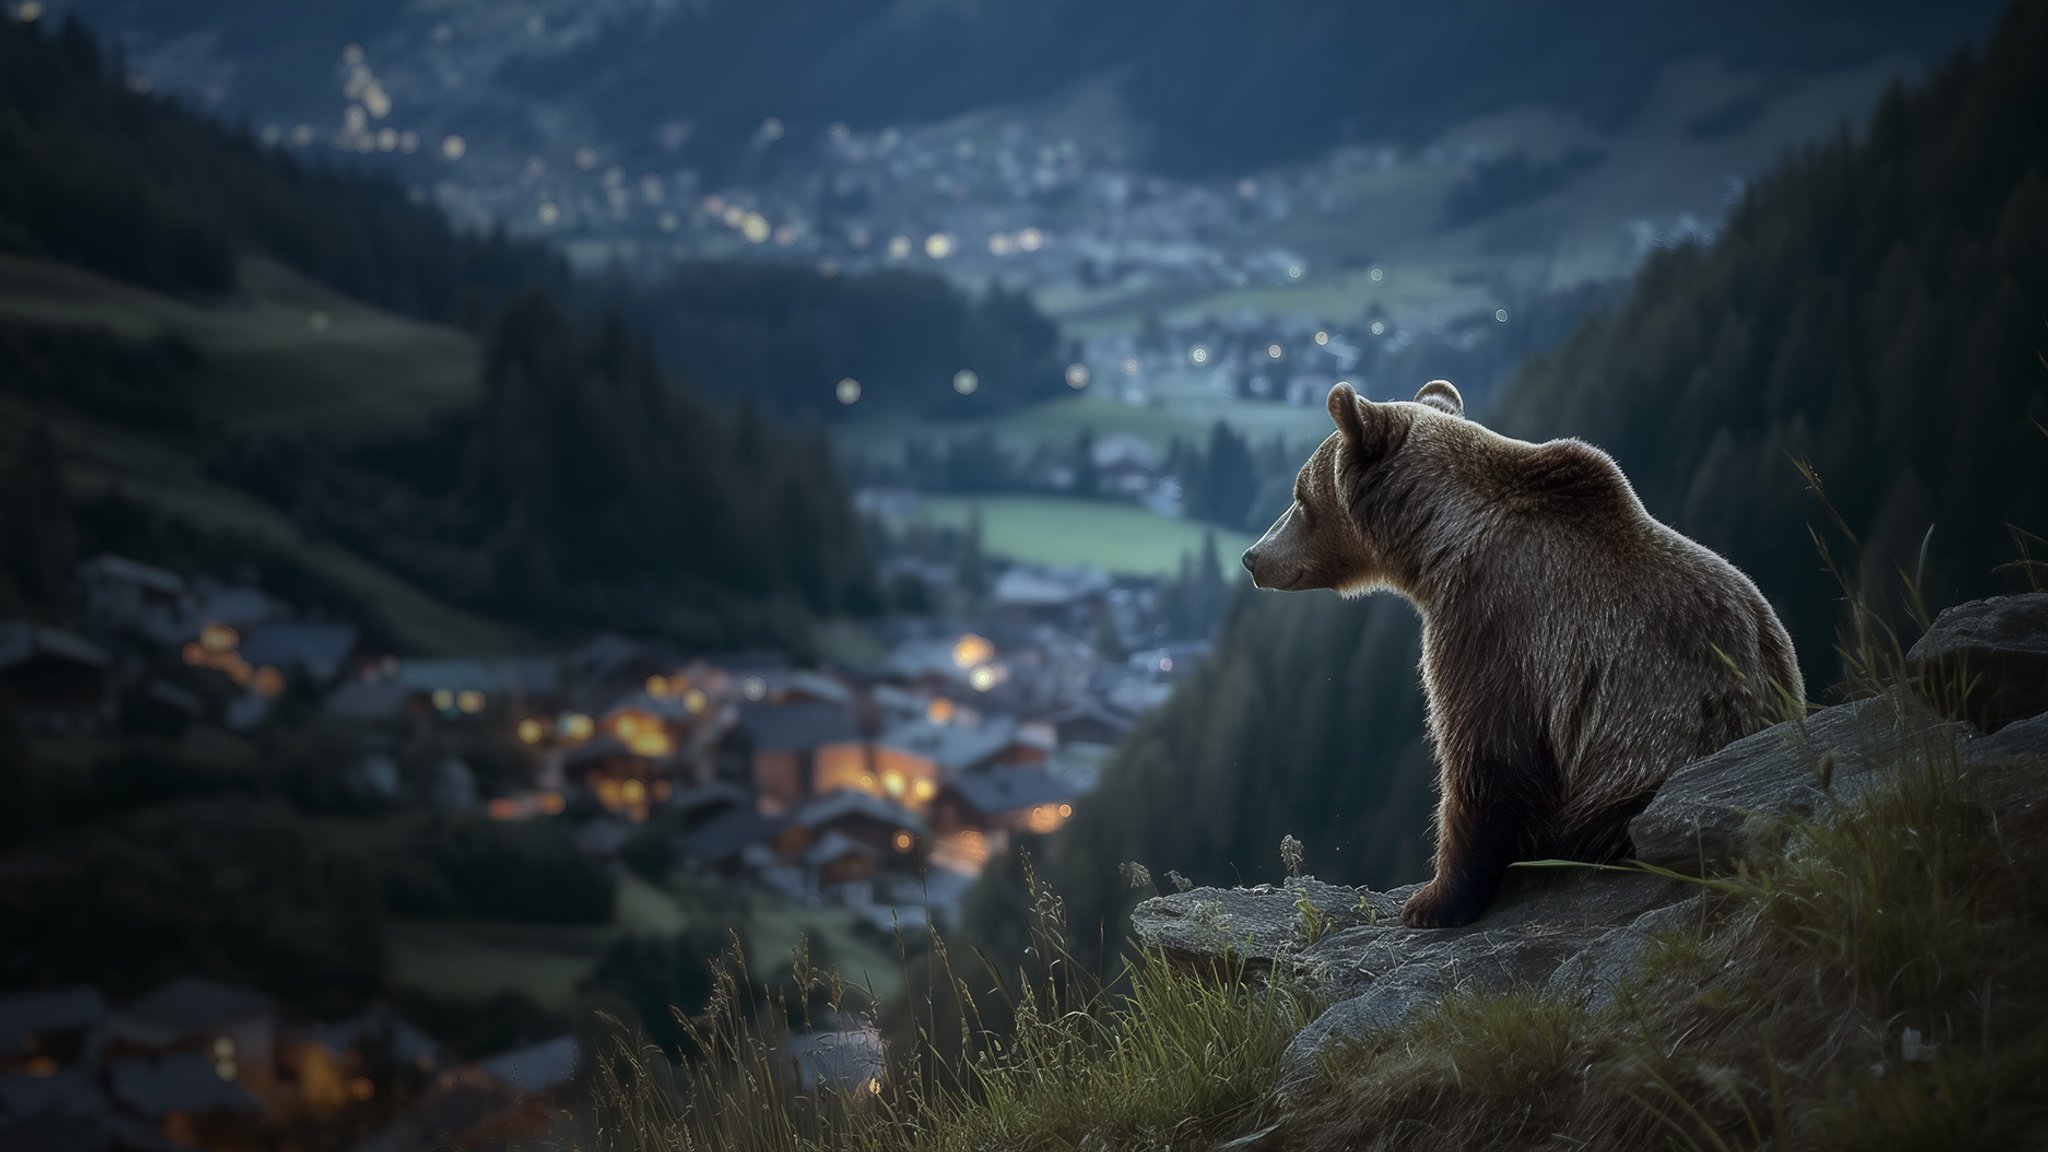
column 1575, row 651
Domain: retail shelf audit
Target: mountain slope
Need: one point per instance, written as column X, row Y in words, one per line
column 1875, row 306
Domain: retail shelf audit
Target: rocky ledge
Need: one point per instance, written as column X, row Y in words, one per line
column 1583, row 932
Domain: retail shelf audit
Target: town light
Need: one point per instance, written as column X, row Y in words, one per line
column 1322, row 337
column 923, row 789
column 903, row 841
column 982, row 678
column 965, row 381
column 848, row 391
column 971, row 650
column 754, row 688
column 939, row 711
column 1077, row 376
column 443, row 700
column 1030, row 239
column 469, row 701
column 938, row 245
column 1274, row 351
column 577, row 726
column 694, row 701
column 1198, row 355
column 529, row 731
column 219, row 638
column 657, row 687
column 893, row 783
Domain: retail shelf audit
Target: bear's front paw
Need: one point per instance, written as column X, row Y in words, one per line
column 1437, row 905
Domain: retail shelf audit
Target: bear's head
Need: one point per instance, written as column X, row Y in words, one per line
column 1354, row 501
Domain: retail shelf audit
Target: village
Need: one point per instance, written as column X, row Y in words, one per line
column 882, row 788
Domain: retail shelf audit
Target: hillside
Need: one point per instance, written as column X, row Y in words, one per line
column 1811, row 329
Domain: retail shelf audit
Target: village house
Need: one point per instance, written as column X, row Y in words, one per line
column 1090, row 721
column 1003, row 801
column 914, row 759
column 45, row 1031
column 504, row 1101
column 1043, row 594
column 796, row 750
column 320, row 651
column 54, row 682
column 123, row 594
column 327, row 1067
column 233, row 1028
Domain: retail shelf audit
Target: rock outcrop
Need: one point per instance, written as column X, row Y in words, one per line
column 1583, row 932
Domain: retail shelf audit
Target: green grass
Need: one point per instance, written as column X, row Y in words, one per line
column 1052, row 530
column 468, row 959
column 267, row 366
column 159, row 475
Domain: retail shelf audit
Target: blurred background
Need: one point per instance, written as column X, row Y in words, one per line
column 500, row 501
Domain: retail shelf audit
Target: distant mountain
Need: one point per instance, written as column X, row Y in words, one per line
column 1876, row 307
column 1211, row 85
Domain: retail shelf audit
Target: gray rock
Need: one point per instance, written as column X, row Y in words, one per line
column 1733, row 804
column 1388, row 1005
column 1598, row 973
column 1256, row 924
column 2023, row 742
column 1994, row 653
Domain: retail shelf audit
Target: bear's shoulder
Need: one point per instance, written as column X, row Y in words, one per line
column 1569, row 477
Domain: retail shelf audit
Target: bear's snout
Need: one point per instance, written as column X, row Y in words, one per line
column 1251, row 562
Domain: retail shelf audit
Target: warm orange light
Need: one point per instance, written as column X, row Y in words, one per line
column 939, row 711
column 695, row 700
column 1043, row 819
column 577, row 726
column 269, row 682
column 971, row 650
column 923, row 789
column 469, row 701
column 651, row 742
column 657, row 687
column 360, row 1089
column 195, row 653
column 442, row 699
column 219, row 638
column 633, row 792
column 903, row 841
column 893, row 783
column 1066, row 810
column 503, row 808
column 552, row 803
column 530, row 731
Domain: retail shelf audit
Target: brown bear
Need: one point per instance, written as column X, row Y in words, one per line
column 1574, row 650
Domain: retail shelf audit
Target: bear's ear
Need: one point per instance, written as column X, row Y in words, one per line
column 1439, row 394
column 1349, row 413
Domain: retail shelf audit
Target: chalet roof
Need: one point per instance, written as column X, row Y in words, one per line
column 956, row 747
column 513, row 675
column 714, row 794
column 193, row 1004
column 71, row 1008
column 1091, row 708
column 798, row 726
column 25, row 640
column 406, row 1044
column 726, row 836
column 536, row 1067
column 837, row 806
column 367, row 699
column 178, row 1082
column 802, row 682
column 107, row 566
column 321, row 648
column 837, row 846
column 1030, row 586
column 1002, row 790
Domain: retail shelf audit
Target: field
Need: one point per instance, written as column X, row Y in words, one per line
column 282, row 354
column 471, row 959
column 1188, row 415
column 1122, row 538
